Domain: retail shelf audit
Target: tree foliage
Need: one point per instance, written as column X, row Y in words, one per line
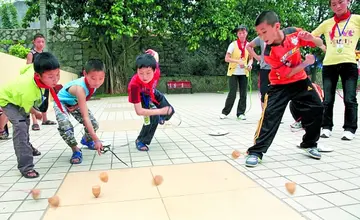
column 113, row 24
column 9, row 16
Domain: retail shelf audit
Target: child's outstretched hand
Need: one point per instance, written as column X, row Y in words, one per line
column 153, row 53
column 309, row 59
column 98, row 147
column 306, row 36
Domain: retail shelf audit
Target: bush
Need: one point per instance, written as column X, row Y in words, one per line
column 19, row 51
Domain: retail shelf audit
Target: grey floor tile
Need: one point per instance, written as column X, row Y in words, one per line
column 44, row 194
column 7, row 207
column 277, row 181
column 334, row 213
column 5, row 216
column 142, row 164
column 200, row 159
column 9, row 179
column 301, row 179
column 355, row 181
column 34, row 215
column 311, row 216
column 343, row 174
column 265, row 173
column 353, row 193
column 33, row 205
column 101, row 166
column 322, row 176
column 23, row 186
column 286, row 171
column 14, row 195
column 339, row 199
column 340, row 185
column 313, row 202
column 278, row 193
column 299, row 191
column 295, row 205
column 51, row 184
column 162, row 162
column 353, row 209
column 318, row 188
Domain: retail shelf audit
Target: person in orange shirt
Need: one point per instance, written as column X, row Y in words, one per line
column 288, row 82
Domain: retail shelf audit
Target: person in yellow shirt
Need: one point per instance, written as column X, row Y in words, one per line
column 240, row 63
column 341, row 34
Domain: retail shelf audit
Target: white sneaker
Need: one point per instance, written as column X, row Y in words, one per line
column 242, row 117
column 348, row 136
column 222, row 116
column 322, row 148
column 326, row 133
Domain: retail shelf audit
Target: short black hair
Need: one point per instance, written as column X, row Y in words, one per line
column 94, row 65
column 270, row 17
column 45, row 62
column 38, row 35
column 144, row 61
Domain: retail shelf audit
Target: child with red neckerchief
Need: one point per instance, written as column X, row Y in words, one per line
column 240, row 63
column 73, row 97
column 148, row 101
column 342, row 33
column 17, row 100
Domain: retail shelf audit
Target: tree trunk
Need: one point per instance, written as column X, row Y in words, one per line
column 117, row 65
column 43, row 28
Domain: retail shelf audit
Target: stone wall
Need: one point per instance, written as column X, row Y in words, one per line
column 65, row 45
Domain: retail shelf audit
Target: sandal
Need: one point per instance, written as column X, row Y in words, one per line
column 141, row 146
column 35, row 127
column 36, row 152
column 28, row 173
column 161, row 120
column 48, row 122
column 77, row 155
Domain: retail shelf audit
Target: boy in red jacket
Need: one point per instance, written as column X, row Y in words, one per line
column 288, row 82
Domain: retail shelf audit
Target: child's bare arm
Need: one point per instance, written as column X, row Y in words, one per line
column 228, row 59
column 37, row 114
column 149, row 112
column 250, row 48
column 79, row 92
column 309, row 59
column 29, row 58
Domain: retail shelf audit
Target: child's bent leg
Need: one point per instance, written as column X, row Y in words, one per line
column 23, row 150
column 77, row 115
column 147, row 132
column 308, row 104
column 274, row 106
column 163, row 102
column 66, row 130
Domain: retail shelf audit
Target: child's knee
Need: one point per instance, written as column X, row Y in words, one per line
column 65, row 126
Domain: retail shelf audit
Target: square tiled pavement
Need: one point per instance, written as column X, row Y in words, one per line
column 326, row 189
